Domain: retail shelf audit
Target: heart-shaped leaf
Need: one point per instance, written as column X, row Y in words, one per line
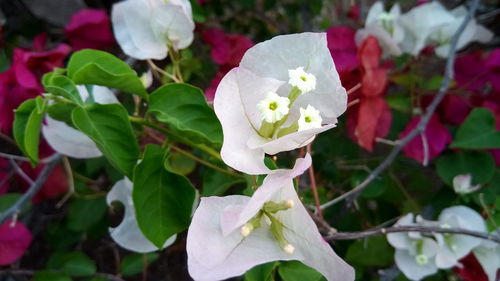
column 478, row 131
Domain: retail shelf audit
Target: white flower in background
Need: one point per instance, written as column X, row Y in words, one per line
column 229, row 235
column 473, row 32
column 462, row 184
column 127, row 234
column 420, row 22
column 69, row 141
column 415, row 254
column 145, row 28
column 453, row 247
column 385, row 27
column 309, row 119
column 306, row 82
column 287, row 65
column 273, row 108
column 488, row 255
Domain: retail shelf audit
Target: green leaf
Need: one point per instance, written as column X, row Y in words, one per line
column 163, row 200
column 84, row 213
column 479, row 164
column 199, row 15
column 216, row 183
column 183, row 107
column 477, row 131
column 101, row 68
column 297, row 271
column 263, row 272
column 75, row 264
column 27, row 126
column 61, row 111
column 400, row 102
column 374, row 189
column 108, row 126
column 134, row 263
column 60, row 85
column 180, row 163
column 47, row 275
column 373, row 251
column 8, row 199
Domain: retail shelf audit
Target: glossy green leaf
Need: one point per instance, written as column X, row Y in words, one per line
column 27, row 126
column 108, row 126
column 216, row 183
column 61, row 85
column 75, row 264
column 134, row 263
column 373, row 251
column 47, row 275
column 263, row 272
column 183, row 107
column 479, row 164
column 61, row 111
column 163, row 200
column 84, row 213
column 297, row 271
column 180, row 163
column 101, row 68
column 477, row 131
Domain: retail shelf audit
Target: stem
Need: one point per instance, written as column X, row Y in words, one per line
column 314, row 188
column 154, row 67
column 445, row 85
column 173, row 134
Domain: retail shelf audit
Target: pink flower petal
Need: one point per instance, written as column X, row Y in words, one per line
column 14, row 241
column 90, row 28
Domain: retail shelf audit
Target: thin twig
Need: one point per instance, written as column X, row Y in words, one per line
column 34, row 188
column 22, row 158
column 154, row 67
column 353, row 89
column 425, row 145
column 314, row 187
column 20, row 172
column 409, row 228
column 445, row 84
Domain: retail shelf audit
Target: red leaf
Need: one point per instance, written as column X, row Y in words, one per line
column 374, row 82
column 374, row 120
column 369, row 53
column 14, row 241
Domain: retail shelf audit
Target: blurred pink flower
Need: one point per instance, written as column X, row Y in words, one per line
column 90, row 28
column 454, row 109
column 15, row 239
column 22, row 80
column 435, row 133
column 343, row 48
column 474, row 70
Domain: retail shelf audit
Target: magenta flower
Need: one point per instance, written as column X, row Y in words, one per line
column 15, row 239
column 343, row 48
column 227, row 49
column 436, row 135
column 229, row 235
column 90, row 28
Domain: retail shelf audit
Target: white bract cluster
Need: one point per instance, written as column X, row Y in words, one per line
column 429, row 24
column 285, row 91
column 69, row 141
column 145, row 29
column 419, row 255
column 229, row 235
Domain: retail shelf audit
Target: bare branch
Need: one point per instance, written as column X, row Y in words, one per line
column 445, row 85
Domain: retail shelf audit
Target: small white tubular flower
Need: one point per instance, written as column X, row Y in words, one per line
column 69, row 141
column 265, row 68
column 415, row 254
column 385, row 27
column 273, row 108
column 462, row 184
column 306, row 82
column 455, row 246
column 145, row 28
column 217, row 251
column 310, row 118
column 127, row 234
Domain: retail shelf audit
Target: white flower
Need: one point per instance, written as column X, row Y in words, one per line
column 127, row 234
column 310, row 118
column 69, row 141
column 145, row 28
column 273, row 108
column 456, row 246
column 473, row 32
column 263, row 69
column 306, row 82
column 462, row 184
column 415, row 254
column 420, row 22
column 488, row 255
column 229, row 235
column 385, row 27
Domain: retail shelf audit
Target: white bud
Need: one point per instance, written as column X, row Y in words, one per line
column 289, row 203
column 306, row 82
column 462, row 184
column 310, row 118
column 273, row 108
column 289, row 249
column 245, row 230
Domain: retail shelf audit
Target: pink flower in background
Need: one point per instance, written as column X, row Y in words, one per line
column 90, row 28
column 15, row 239
column 437, row 137
column 343, row 48
column 22, row 80
column 454, row 109
column 474, row 70
column 493, row 67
